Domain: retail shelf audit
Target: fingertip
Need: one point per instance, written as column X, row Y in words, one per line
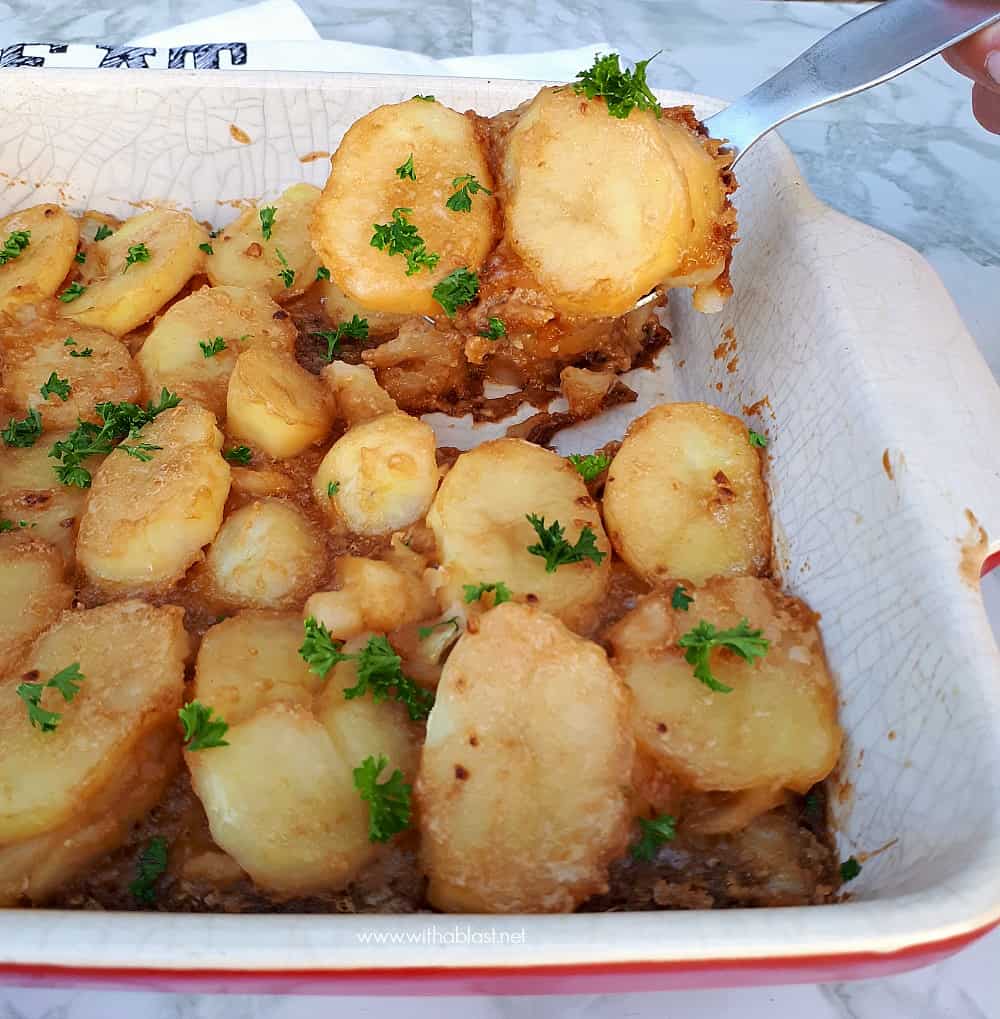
column 970, row 56
column 986, row 108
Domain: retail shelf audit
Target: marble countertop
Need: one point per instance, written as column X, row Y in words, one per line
column 907, row 158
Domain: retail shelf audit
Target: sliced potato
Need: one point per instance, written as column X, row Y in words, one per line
column 603, row 209
column 115, row 748
column 34, row 349
column 145, row 523
column 252, row 660
column 386, row 473
column 373, row 596
column 357, row 394
column 777, row 729
column 120, row 296
column 363, row 189
column 685, row 496
column 242, row 257
column 266, row 555
column 172, row 356
column 523, row 776
column 46, row 259
column 479, row 519
column 261, row 482
column 276, row 405
column 33, row 591
column 341, row 308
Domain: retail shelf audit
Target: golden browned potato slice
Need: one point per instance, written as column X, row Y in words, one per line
column 145, row 523
column 357, row 394
column 523, row 776
column 36, row 349
column 43, row 262
column 276, row 405
column 281, row 798
column 120, row 296
column 383, row 472
column 252, row 660
column 261, row 482
column 172, row 356
column 243, row 257
column 33, row 591
column 603, row 209
column 266, row 555
column 685, row 496
column 112, row 754
column 363, row 189
column 373, row 595
column 341, row 308
column 479, row 519
column 777, row 729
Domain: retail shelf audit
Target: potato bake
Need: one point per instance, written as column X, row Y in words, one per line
column 266, row 644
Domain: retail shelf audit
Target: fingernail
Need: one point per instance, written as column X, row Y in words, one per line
column 993, row 65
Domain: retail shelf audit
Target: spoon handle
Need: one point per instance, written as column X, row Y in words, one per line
column 865, row 51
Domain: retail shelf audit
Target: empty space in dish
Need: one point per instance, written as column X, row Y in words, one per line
column 840, row 344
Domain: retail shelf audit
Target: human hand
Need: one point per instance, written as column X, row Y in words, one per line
column 978, row 58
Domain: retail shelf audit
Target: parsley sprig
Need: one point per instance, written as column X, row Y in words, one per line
column 267, row 215
column 458, row 288
column 102, row 232
column 388, row 802
column 653, row 833
column 499, row 590
column 23, row 433
column 17, row 241
column 557, row 551
column 356, row 329
column 756, row 439
column 151, row 865
column 72, row 292
column 401, row 237
column 322, row 273
column 67, row 681
column 850, row 869
column 406, row 169
column 622, row 90
column 741, row 640
column 495, row 329
column 54, row 384
column 286, row 274
column 591, row 465
column 201, row 731
column 118, row 421
column 680, row 599
column 241, row 455
column 468, row 185
column 425, row 631
column 136, row 253
column 209, row 348
column 9, row 525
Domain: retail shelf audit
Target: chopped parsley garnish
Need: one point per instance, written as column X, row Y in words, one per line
column 499, row 590
column 406, row 169
column 495, row 329
column 267, row 215
column 653, row 834
column 209, row 348
column 102, row 232
column 72, row 292
column 425, row 99
column 332, row 489
column 118, row 421
column 139, row 451
column 207, row 248
column 151, row 865
column 468, row 185
column 756, row 439
column 741, row 640
column 849, row 869
column 25, row 432
column 80, row 258
column 67, row 681
column 425, row 631
column 9, row 525
column 557, row 551
column 287, row 274
column 54, row 384
column 86, row 352
column 136, row 253
column 622, row 90
column 458, row 288
column 69, row 342
column 680, row 599
column 239, row 455
column 201, row 731
column 591, row 465
column 356, row 329
column 17, row 241
column 322, row 273
column 319, row 650
column 388, row 802
column 400, row 237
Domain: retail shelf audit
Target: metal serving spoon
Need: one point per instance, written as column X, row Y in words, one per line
column 870, row 49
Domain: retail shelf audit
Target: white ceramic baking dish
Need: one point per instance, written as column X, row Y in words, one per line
column 883, row 420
